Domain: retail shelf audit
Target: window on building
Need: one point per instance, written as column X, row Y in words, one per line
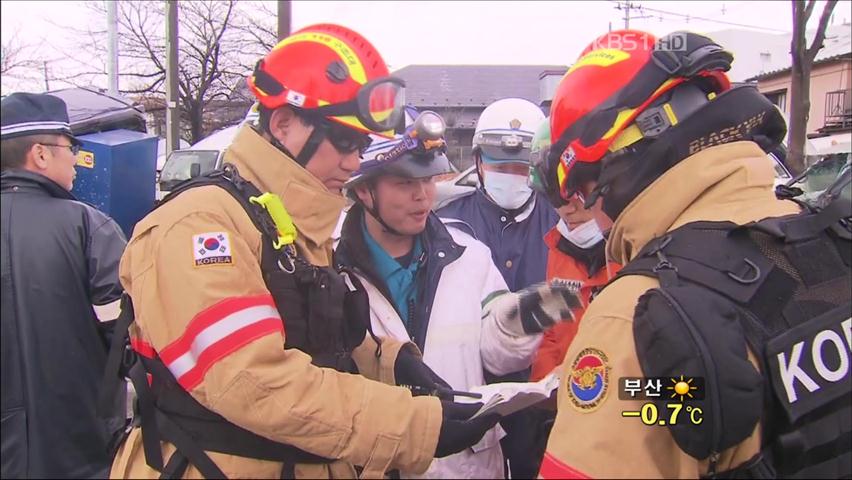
column 779, row 98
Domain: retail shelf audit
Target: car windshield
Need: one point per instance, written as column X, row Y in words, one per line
column 179, row 164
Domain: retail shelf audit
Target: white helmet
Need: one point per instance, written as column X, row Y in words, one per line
column 505, row 129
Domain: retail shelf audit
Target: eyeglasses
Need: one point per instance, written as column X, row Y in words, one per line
column 75, row 149
column 344, row 140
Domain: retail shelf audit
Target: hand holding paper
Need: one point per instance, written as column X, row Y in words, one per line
column 509, row 397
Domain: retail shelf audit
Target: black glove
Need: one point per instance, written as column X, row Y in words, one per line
column 536, row 308
column 457, row 432
column 410, row 371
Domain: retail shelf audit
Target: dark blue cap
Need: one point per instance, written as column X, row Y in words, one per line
column 32, row 114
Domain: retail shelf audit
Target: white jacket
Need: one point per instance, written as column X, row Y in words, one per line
column 460, row 343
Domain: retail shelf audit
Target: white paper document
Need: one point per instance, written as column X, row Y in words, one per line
column 509, row 397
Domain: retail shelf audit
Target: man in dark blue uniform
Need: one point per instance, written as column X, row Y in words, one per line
column 59, row 258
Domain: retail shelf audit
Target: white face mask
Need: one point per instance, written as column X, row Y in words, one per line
column 507, row 190
column 584, row 236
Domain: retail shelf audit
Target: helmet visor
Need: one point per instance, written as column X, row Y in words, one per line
column 505, row 147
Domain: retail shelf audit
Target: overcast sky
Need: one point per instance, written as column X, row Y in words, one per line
column 477, row 32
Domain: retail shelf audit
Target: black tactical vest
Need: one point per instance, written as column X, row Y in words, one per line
column 312, row 299
column 780, row 288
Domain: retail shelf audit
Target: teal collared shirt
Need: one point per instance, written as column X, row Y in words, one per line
column 400, row 280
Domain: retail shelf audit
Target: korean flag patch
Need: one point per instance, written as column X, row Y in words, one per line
column 212, row 249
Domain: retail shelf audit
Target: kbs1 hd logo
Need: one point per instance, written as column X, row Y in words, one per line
column 212, row 249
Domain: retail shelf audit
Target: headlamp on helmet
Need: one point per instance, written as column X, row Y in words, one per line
column 418, row 153
column 425, row 136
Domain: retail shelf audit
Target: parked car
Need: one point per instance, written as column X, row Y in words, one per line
column 205, row 156
column 815, row 179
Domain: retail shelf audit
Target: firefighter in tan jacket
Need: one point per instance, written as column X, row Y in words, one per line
column 659, row 151
column 226, row 398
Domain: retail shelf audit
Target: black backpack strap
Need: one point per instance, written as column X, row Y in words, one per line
column 807, row 225
column 229, row 179
column 118, row 355
column 702, row 253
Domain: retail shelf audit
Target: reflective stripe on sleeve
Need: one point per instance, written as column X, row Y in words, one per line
column 217, row 332
column 551, row 467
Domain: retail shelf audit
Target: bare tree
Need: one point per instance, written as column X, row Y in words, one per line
column 800, row 82
column 259, row 29
column 17, row 61
column 213, row 57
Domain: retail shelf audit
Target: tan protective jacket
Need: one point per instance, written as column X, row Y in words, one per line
column 731, row 182
column 193, row 270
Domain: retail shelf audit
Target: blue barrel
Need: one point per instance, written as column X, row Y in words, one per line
column 116, row 172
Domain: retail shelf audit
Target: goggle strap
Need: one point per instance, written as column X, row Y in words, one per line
column 336, row 109
column 653, row 121
column 266, row 82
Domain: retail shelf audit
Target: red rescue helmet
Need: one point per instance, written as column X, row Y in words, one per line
column 332, row 72
column 596, row 105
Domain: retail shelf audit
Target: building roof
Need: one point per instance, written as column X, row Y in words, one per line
column 93, row 110
column 471, row 85
column 837, row 45
column 753, row 51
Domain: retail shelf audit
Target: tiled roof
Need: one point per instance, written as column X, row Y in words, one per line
column 471, row 85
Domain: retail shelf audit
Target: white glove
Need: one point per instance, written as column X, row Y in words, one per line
column 536, row 308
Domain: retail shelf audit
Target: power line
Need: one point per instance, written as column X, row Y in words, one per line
column 627, row 7
column 687, row 16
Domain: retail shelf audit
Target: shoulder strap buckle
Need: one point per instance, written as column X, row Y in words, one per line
column 745, row 281
column 667, row 61
column 666, row 271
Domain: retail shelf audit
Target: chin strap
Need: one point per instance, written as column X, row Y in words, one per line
column 374, row 212
column 308, row 149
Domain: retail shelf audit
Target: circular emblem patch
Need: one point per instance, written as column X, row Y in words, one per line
column 589, row 380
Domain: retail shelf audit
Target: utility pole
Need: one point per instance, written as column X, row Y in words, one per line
column 172, row 112
column 284, row 14
column 112, row 29
column 627, row 7
column 46, row 83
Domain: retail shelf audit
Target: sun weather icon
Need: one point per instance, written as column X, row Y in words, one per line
column 681, row 387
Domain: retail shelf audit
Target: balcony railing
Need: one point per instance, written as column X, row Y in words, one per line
column 838, row 110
